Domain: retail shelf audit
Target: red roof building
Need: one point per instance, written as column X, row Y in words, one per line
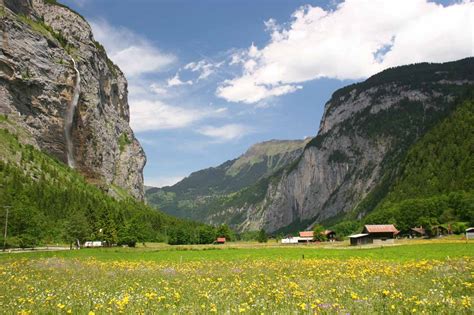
column 380, row 228
column 307, row 234
column 220, row 240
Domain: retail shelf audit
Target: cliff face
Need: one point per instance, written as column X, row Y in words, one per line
column 365, row 130
column 203, row 195
column 48, row 54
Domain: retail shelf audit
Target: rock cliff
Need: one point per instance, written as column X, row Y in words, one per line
column 365, row 130
column 48, row 58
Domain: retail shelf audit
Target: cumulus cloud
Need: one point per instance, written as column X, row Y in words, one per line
column 225, row 132
column 355, row 40
column 146, row 115
column 134, row 54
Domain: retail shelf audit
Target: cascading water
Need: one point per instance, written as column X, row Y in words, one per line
column 70, row 118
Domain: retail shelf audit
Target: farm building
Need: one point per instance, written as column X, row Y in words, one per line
column 470, row 233
column 306, row 236
column 417, row 232
column 360, row 239
column 220, row 240
column 377, row 234
column 330, row 235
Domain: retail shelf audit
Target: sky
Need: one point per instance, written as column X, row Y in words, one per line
column 209, row 78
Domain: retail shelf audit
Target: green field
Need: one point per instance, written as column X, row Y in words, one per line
column 431, row 278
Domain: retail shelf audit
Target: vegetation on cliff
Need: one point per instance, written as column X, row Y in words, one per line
column 51, row 203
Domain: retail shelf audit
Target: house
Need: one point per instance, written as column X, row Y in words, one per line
column 220, row 240
column 330, row 235
column 470, row 233
column 417, row 232
column 306, row 237
column 439, row 230
column 375, row 234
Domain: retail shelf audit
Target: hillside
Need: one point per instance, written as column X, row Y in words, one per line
column 50, row 203
column 435, row 182
column 204, row 192
column 59, row 85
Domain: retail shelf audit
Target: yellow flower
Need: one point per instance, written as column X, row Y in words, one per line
column 91, row 313
column 61, row 306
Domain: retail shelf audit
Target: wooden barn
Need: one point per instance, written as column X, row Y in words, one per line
column 417, row 232
column 375, row 234
column 330, row 235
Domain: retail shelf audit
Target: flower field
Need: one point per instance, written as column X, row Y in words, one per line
column 354, row 285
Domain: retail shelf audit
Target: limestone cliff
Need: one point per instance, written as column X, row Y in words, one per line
column 48, row 54
column 365, row 130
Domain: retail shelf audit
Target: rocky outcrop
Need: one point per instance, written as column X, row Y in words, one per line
column 37, row 79
column 365, row 130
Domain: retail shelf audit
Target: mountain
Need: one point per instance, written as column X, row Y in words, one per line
column 202, row 194
column 49, row 202
column 347, row 170
column 365, row 132
column 57, row 84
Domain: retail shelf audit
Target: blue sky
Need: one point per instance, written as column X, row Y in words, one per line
column 207, row 79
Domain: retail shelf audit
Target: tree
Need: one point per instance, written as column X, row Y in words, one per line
column 225, row 231
column 319, row 233
column 262, row 236
column 76, row 229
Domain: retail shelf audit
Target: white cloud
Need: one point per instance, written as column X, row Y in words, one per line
column 225, row 132
column 176, row 81
column 162, row 181
column 355, row 40
column 205, row 68
column 134, row 54
column 146, row 115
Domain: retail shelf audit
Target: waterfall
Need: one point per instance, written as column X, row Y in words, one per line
column 70, row 118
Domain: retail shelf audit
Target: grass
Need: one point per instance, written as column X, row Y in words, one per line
column 255, row 251
column 246, row 278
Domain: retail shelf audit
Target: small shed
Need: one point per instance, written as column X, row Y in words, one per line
column 360, row 239
column 220, row 240
column 470, row 233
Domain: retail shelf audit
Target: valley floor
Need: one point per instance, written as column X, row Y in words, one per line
column 433, row 277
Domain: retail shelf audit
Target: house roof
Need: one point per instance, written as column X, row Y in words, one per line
column 358, row 235
column 418, row 230
column 471, row 229
column 307, row 234
column 326, row 232
column 381, row 228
